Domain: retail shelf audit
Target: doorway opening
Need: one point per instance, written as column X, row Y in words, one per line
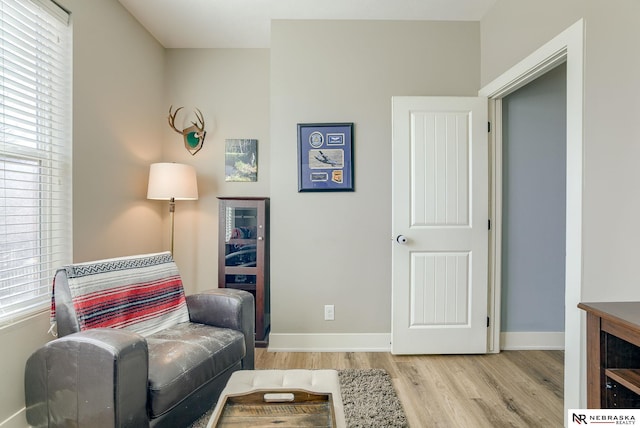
column 533, row 214
column 566, row 47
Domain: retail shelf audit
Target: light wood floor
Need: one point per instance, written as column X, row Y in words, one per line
column 510, row 389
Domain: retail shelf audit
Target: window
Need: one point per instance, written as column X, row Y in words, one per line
column 35, row 152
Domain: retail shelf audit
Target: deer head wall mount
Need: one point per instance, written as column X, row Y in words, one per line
column 194, row 134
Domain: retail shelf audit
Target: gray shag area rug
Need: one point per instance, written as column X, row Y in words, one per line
column 369, row 400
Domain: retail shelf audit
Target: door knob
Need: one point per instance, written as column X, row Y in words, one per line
column 401, row 239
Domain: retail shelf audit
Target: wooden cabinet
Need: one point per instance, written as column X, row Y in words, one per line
column 613, row 355
column 243, row 254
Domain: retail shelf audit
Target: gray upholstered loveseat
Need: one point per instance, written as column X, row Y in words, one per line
column 133, row 350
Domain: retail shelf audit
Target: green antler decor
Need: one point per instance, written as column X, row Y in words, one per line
column 194, row 134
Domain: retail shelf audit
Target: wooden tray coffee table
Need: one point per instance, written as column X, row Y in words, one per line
column 283, row 398
column 277, row 408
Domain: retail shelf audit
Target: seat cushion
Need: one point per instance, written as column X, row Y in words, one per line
column 186, row 356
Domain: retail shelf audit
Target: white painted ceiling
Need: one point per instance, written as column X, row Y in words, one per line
column 247, row 23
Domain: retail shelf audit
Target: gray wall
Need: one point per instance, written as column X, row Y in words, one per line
column 118, row 118
column 231, row 88
column 533, row 209
column 335, row 248
column 611, row 209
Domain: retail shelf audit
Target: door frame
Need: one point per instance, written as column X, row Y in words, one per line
column 567, row 47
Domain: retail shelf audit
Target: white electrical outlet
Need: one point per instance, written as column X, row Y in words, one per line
column 329, row 313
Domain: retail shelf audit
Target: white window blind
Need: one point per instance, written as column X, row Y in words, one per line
column 35, row 152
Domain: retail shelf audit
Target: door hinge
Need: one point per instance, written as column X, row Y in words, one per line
column 489, row 221
column 488, row 323
column 488, row 126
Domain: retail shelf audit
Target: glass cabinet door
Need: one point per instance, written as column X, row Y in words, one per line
column 243, row 254
column 241, row 246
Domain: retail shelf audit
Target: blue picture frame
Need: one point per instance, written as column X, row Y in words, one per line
column 325, row 157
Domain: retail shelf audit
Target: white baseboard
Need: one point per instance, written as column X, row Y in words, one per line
column 536, row 340
column 365, row 342
column 381, row 342
column 17, row 420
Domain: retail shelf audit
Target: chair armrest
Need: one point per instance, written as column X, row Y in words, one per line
column 228, row 308
column 93, row 378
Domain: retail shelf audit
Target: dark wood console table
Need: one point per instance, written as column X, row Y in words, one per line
column 613, row 354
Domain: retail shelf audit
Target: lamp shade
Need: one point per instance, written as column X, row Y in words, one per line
column 172, row 180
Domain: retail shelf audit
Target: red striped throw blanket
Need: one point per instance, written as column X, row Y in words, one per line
column 141, row 293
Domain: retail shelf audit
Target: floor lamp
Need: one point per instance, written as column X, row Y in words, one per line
column 172, row 182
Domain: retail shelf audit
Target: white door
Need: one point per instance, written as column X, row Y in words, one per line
column 440, row 225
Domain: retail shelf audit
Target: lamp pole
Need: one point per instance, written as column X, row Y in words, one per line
column 172, row 210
